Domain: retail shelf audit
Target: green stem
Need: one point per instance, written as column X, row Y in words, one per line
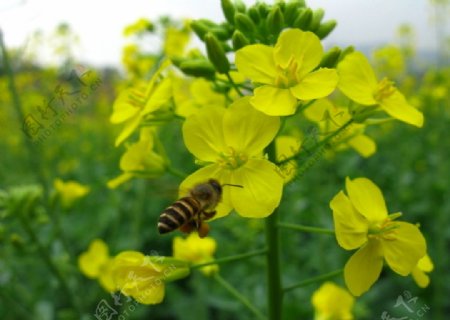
column 274, row 289
column 307, row 282
column 302, row 228
column 239, row 296
column 231, row 258
column 176, row 172
column 234, row 85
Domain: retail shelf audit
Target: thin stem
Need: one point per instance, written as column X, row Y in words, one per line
column 231, row 258
column 176, row 172
column 302, row 228
column 234, row 85
column 274, row 289
column 239, row 296
column 307, row 282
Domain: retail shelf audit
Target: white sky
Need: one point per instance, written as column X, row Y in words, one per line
column 99, row 23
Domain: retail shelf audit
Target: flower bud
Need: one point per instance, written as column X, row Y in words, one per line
column 263, row 9
column 325, row 28
column 239, row 40
column 316, row 18
column 275, row 20
column 198, row 68
column 331, row 58
column 216, row 53
column 228, row 10
column 199, row 28
column 291, row 13
column 253, row 13
column 244, row 24
column 304, row 19
column 345, row 52
column 239, row 5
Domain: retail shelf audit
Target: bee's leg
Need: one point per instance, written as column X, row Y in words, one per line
column 203, row 229
column 209, row 215
column 189, row 226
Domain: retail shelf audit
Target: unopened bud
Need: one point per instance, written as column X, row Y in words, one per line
column 316, row 19
column 253, row 13
column 275, row 20
column 291, row 13
column 263, row 9
column 304, row 19
column 198, row 68
column 239, row 40
column 331, row 58
column 326, row 28
column 240, row 6
column 216, row 53
column 199, row 28
column 244, row 23
column 228, row 10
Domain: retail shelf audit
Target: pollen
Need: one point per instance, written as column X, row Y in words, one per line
column 231, row 159
column 287, row 77
column 384, row 90
column 383, row 231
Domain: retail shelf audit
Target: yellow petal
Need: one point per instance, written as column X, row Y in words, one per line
column 404, row 247
column 274, row 101
column 117, row 181
column 247, row 129
column 397, row 107
column 350, row 226
column 161, row 94
column 317, row 111
column 128, row 129
column 152, row 294
column 357, row 79
column 203, row 134
column 332, row 302
column 92, row 261
column 367, row 198
column 316, row 85
column 123, row 108
column 420, row 277
column 202, row 175
column 286, row 147
column 363, row 144
column 363, row 268
column 262, row 188
column 304, row 47
column 425, row 264
column 256, row 62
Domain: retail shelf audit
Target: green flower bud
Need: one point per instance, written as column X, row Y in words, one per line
column 221, row 32
column 228, row 10
column 275, row 20
column 304, row 19
column 239, row 40
column 240, row 6
column 244, row 24
column 345, row 52
column 316, row 18
column 263, row 9
column 199, row 28
column 331, row 58
column 298, row 3
column 198, row 68
column 326, row 28
column 291, row 13
column 216, row 53
column 254, row 15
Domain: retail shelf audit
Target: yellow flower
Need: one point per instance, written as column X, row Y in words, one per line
column 233, row 140
column 358, row 82
column 69, row 191
column 286, row 72
column 95, row 263
column 330, row 118
column 140, row 26
column 175, row 42
column 419, row 273
column 332, row 302
column 134, row 103
column 196, row 250
column 287, row 147
column 361, row 221
column 140, row 160
column 144, row 277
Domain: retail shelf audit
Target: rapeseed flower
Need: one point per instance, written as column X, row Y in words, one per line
column 69, row 191
column 286, row 72
column 95, row 263
column 332, row 302
column 231, row 142
column 144, row 277
column 196, row 250
column 362, row 222
column 419, row 273
column 358, row 82
column 287, row 147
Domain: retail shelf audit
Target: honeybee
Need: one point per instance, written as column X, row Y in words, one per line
column 189, row 213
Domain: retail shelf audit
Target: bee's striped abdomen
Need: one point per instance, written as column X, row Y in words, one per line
column 179, row 213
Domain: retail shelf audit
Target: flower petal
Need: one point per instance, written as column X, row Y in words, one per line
column 350, row 226
column 304, row 47
column 161, row 94
column 420, row 277
column 91, row 261
column 363, row 144
column 262, row 188
column 316, row 85
column 357, row 79
column 202, row 175
column 397, row 107
column 367, row 199
column 123, row 107
column 256, row 62
column 153, row 294
column 247, row 129
column 274, row 101
column 406, row 249
column 203, row 134
column 128, row 129
column 363, row 268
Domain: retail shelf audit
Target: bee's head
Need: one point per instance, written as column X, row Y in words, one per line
column 216, row 185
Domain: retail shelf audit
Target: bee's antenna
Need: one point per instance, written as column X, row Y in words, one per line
column 232, row 185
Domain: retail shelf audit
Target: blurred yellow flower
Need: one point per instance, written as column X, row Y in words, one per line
column 175, row 42
column 286, row 147
column 286, row 72
column 95, row 263
column 138, row 27
column 361, row 221
column 196, row 250
column 233, row 140
column 134, row 103
column 69, row 191
column 144, row 277
column 419, row 273
column 389, row 60
column 358, row 82
column 140, row 160
column 332, row 302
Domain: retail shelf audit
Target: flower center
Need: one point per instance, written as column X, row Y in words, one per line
column 231, row 159
column 287, row 77
column 385, row 90
column 384, row 230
